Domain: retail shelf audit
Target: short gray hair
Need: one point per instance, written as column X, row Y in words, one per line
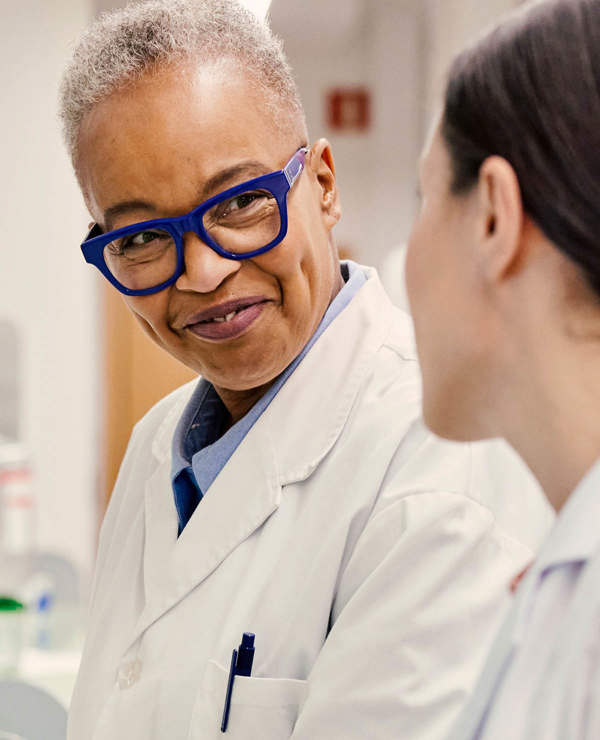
column 123, row 45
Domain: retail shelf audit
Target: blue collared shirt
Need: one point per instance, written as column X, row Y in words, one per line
column 200, row 449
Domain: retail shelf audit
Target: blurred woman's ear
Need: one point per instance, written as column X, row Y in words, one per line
column 539, row 110
column 500, row 216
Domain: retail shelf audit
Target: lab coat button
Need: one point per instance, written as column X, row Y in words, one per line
column 129, row 672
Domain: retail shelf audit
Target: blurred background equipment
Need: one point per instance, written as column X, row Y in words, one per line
column 40, row 593
column 29, row 713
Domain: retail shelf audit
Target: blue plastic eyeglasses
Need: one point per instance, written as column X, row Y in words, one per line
column 239, row 223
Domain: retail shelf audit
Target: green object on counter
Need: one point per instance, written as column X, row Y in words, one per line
column 7, row 604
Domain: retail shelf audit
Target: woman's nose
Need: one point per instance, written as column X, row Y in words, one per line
column 204, row 270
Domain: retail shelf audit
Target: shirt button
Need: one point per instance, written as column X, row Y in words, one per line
column 129, row 672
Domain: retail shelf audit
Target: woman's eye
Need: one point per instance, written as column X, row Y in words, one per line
column 240, row 210
column 139, row 240
column 141, row 244
column 243, row 201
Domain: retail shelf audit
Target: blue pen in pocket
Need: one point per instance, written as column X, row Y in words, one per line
column 241, row 665
column 245, row 655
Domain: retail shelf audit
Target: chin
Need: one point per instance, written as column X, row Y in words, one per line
column 243, row 381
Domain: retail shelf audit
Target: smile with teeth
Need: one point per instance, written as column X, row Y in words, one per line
column 229, row 320
column 222, row 319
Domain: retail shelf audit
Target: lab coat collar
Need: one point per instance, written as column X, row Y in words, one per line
column 575, row 536
column 574, row 539
column 285, row 445
column 337, row 362
column 174, row 566
column 305, row 424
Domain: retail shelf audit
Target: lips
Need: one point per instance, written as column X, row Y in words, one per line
column 227, row 320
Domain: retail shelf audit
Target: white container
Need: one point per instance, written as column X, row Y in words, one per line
column 17, row 539
column 17, row 504
column 12, row 639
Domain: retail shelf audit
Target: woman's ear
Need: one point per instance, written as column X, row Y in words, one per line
column 321, row 163
column 501, row 219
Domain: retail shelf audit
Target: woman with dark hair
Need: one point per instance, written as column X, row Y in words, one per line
column 503, row 276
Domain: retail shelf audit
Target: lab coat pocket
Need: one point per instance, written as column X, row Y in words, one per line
column 261, row 708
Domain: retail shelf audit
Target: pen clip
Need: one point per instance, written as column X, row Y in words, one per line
column 245, row 657
column 230, row 680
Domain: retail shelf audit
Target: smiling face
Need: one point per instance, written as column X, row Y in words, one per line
column 169, row 142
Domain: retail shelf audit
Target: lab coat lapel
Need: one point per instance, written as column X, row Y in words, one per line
column 313, row 406
column 243, row 496
column 284, row 446
column 160, row 531
column 472, row 721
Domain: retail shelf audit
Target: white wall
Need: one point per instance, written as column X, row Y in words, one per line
column 45, row 287
column 451, row 25
column 401, row 50
column 356, row 42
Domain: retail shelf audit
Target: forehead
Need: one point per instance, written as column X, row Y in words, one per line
column 435, row 173
column 165, row 135
column 432, row 156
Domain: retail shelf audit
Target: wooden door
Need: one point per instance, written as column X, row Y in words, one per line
column 136, row 375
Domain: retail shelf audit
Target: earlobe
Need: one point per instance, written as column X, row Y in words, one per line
column 501, row 212
column 321, row 162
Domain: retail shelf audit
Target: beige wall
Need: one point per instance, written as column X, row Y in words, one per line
column 451, row 25
column 45, row 287
column 377, row 46
column 399, row 49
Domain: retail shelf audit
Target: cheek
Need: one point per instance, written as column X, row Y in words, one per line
column 434, row 269
column 301, row 264
column 411, row 273
column 427, row 288
column 419, row 264
column 445, row 312
column 151, row 312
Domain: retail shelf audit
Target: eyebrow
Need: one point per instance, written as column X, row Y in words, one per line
column 125, row 206
column 250, row 169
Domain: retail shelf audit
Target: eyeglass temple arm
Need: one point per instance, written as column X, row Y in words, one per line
column 294, row 167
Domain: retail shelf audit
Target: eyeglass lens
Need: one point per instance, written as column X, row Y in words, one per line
column 241, row 224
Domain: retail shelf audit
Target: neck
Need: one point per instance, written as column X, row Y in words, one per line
column 550, row 414
column 239, row 402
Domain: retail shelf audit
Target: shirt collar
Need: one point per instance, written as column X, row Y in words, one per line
column 179, row 460
column 575, row 536
column 207, row 466
column 572, row 541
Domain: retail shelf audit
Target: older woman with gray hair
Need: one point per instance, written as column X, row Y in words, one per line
column 292, row 492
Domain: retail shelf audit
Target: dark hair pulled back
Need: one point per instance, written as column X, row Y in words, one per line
column 529, row 91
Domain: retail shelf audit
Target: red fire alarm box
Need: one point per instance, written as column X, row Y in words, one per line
column 348, row 109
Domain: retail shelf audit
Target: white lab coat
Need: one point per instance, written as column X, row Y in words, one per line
column 542, row 677
column 363, row 553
